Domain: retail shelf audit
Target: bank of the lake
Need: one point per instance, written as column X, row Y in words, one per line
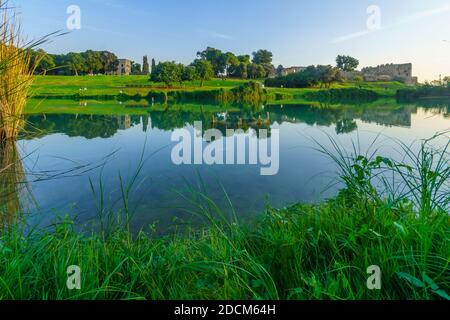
column 301, row 252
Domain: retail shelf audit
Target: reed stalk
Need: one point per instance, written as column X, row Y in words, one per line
column 16, row 74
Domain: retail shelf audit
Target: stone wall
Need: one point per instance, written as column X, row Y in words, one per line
column 390, row 72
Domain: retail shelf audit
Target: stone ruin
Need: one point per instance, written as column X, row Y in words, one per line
column 390, row 72
column 385, row 72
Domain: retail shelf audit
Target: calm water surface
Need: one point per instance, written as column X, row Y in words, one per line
column 66, row 152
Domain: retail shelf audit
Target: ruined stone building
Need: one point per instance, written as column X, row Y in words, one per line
column 286, row 71
column 386, row 72
column 124, row 67
column 390, row 72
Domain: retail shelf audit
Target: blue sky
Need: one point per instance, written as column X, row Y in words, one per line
column 298, row 32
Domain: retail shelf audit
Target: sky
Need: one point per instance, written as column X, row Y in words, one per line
column 298, row 32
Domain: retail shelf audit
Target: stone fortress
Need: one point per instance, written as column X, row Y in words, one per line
column 386, row 72
column 390, row 72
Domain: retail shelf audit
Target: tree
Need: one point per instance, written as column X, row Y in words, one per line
column 217, row 59
column 256, row 71
column 189, row 73
column 93, row 61
column 346, row 63
column 145, row 66
column 204, row 70
column 109, row 62
column 232, row 64
column 262, row 57
column 242, row 69
column 327, row 75
column 167, row 72
column 136, row 68
column 153, row 65
column 446, row 81
column 46, row 61
column 75, row 61
column 279, row 69
column 244, row 59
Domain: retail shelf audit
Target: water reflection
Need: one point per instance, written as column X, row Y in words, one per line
column 60, row 140
column 342, row 117
column 12, row 179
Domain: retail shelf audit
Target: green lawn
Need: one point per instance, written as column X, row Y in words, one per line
column 65, row 86
column 97, row 86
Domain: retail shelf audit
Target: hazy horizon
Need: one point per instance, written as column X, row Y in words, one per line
column 298, row 33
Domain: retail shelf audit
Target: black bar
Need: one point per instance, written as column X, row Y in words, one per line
column 261, row 310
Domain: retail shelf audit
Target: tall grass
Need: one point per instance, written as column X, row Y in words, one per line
column 16, row 74
column 300, row 252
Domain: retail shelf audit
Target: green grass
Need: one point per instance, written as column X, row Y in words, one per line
column 383, row 89
column 301, row 252
column 66, row 86
column 112, row 86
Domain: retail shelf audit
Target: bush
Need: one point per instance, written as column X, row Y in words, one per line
column 422, row 92
column 343, row 95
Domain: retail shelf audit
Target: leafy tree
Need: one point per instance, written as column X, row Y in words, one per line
column 216, row 58
column 145, row 66
column 205, row 70
column 153, row 65
column 262, row 57
column 189, row 73
column 232, row 64
column 244, row 59
column 93, row 61
column 76, row 63
column 136, row 68
column 327, row 75
column 346, row 63
column 167, row 72
column 279, row 69
column 110, row 62
column 256, row 71
column 46, row 61
column 242, row 70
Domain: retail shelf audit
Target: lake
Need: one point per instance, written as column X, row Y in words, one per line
column 65, row 154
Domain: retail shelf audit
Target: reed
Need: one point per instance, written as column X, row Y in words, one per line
column 16, row 74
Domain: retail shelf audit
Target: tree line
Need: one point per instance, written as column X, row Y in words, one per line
column 83, row 63
column 214, row 63
column 222, row 64
column 209, row 63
